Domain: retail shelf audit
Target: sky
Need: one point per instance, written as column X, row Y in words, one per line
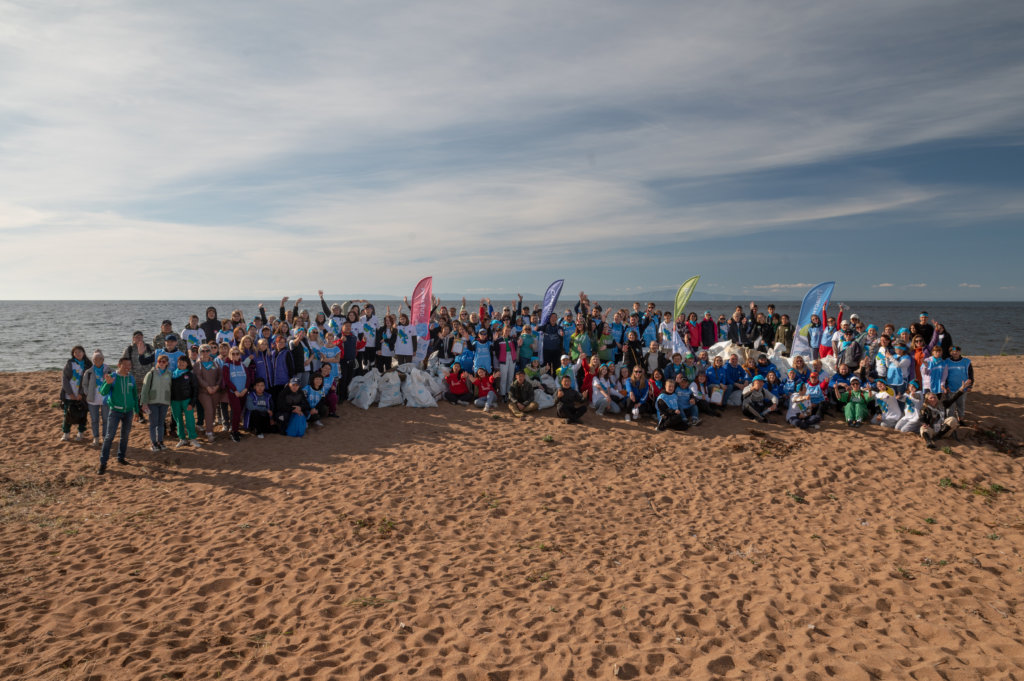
column 192, row 150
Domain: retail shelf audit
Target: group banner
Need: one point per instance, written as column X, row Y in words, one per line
column 815, row 300
column 683, row 295
column 419, row 315
column 551, row 299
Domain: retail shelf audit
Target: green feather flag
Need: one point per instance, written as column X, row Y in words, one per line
column 683, row 295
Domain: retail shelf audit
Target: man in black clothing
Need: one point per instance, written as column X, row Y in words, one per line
column 569, row 403
column 923, row 328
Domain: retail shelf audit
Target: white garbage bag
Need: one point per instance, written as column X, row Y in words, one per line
column 390, row 390
column 364, row 390
column 548, row 383
column 543, row 400
column 416, row 390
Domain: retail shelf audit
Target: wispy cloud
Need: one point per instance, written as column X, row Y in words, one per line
column 885, row 285
column 491, row 140
column 917, row 286
column 966, row 285
column 777, row 287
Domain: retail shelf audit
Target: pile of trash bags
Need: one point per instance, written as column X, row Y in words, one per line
column 414, row 387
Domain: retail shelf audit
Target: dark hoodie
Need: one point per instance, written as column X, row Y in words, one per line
column 210, row 326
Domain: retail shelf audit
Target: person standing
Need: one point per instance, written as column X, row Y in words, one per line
column 141, row 354
column 122, row 398
column 156, row 399
column 184, row 397
column 76, row 412
column 959, row 375
column 92, row 379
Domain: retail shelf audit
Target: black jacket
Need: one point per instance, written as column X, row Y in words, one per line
column 185, row 387
column 288, row 400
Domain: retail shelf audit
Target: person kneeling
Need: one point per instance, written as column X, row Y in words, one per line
column 570, row 404
column 259, row 409
column 520, row 396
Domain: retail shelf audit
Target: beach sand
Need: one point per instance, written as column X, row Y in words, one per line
column 447, row 543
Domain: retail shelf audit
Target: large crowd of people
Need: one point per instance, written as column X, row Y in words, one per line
column 280, row 374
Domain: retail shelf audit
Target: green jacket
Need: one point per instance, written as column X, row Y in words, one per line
column 121, row 394
column 156, row 388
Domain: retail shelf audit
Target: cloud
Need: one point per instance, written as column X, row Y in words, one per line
column 509, row 136
column 1007, row 288
column 916, row 285
column 882, row 286
column 777, row 287
column 966, row 285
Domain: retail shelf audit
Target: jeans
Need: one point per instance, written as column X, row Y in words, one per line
column 487, row 401
column 157, row 416
column 98, row 414
column 690, row 411
column 114, row 420
column 602, row 404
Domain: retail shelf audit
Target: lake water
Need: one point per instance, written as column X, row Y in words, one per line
column 39, row 334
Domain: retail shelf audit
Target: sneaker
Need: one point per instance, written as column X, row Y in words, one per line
column 95, row 442
column 816, row 426
column 181, row 443
column 102, row 469
column 155, row 448
column 319, row 424
column 123, row 461
column 695, row 422
column 487, row 408
column 65, row 438
column 626, row 418
column 195, row 444
column 161, row 445
column 636, row 414
column 235, row 437
column 333, row 416
column 209, row 436
column 79, row 437
column 260, row 436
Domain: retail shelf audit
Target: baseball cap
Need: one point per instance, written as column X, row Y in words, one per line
column 295, row 380
column 171, row 337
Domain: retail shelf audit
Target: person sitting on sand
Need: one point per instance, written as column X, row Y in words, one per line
column 670, row 411
column 638, row 400
column 758, row 402
column 292, row 401
column 801, row 412
column 854, row 400
column 486, row 397
column 520, row 396
column 570, row 404
column 938, row 415
column 458, row 388
column 888, row 407
column 912, row 402
column 259, row 409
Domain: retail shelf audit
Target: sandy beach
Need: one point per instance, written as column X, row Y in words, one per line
column 451, row 544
